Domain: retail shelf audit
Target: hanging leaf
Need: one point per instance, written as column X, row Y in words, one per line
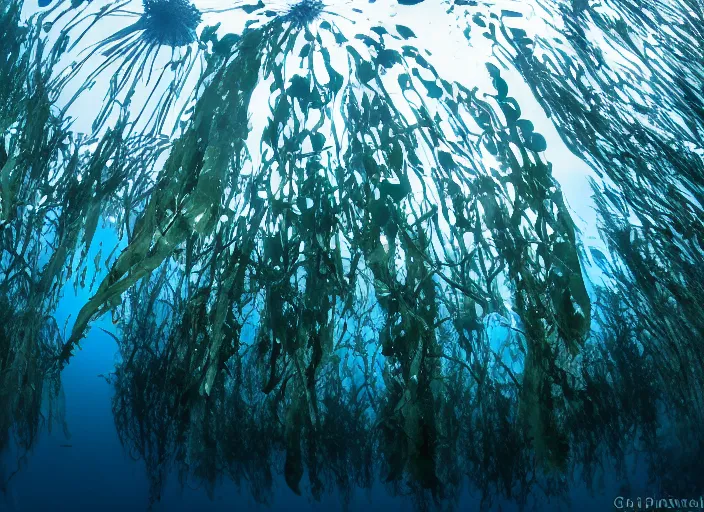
column 405, row 32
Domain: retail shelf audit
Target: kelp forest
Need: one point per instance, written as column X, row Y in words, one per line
column 330, row 261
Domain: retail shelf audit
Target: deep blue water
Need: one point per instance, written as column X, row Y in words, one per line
column 95, row 473
column 89, row 470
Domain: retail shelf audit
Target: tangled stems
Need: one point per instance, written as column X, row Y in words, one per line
column 324, row 248
column 326, row 292
column 159, row 52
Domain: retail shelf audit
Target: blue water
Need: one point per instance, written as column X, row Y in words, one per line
column 90, row 470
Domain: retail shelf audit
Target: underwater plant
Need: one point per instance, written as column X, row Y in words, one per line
column 304, row 12
column 350, row 413
column 54, row 186
column 342, row 261
column 326, row 230
column 31, row 397
column 300, row 13
column 149, row 62
column 621, row 82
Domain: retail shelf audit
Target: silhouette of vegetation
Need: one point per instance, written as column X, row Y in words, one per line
column 622, row 82
column 30, row 391
column 381, row 281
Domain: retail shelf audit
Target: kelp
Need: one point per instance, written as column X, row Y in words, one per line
column 380, row 281
column 146, row 65
column 634, row 115
column 322, row 230
column 622, row 82
column 246, row 433
column 30, row 389
column 55, row 185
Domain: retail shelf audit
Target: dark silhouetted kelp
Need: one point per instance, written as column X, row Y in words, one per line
column 623, row 82
column 383, row 281
column 30, row 392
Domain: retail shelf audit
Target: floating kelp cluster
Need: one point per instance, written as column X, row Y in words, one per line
column 156, row 54
column 376, row 278
column 624, row 83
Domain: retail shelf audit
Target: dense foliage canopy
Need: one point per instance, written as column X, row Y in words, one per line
column 375, row 276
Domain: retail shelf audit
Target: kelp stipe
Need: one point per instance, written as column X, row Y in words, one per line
column 146, row 65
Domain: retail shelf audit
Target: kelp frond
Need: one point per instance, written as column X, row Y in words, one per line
column 159, row 52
